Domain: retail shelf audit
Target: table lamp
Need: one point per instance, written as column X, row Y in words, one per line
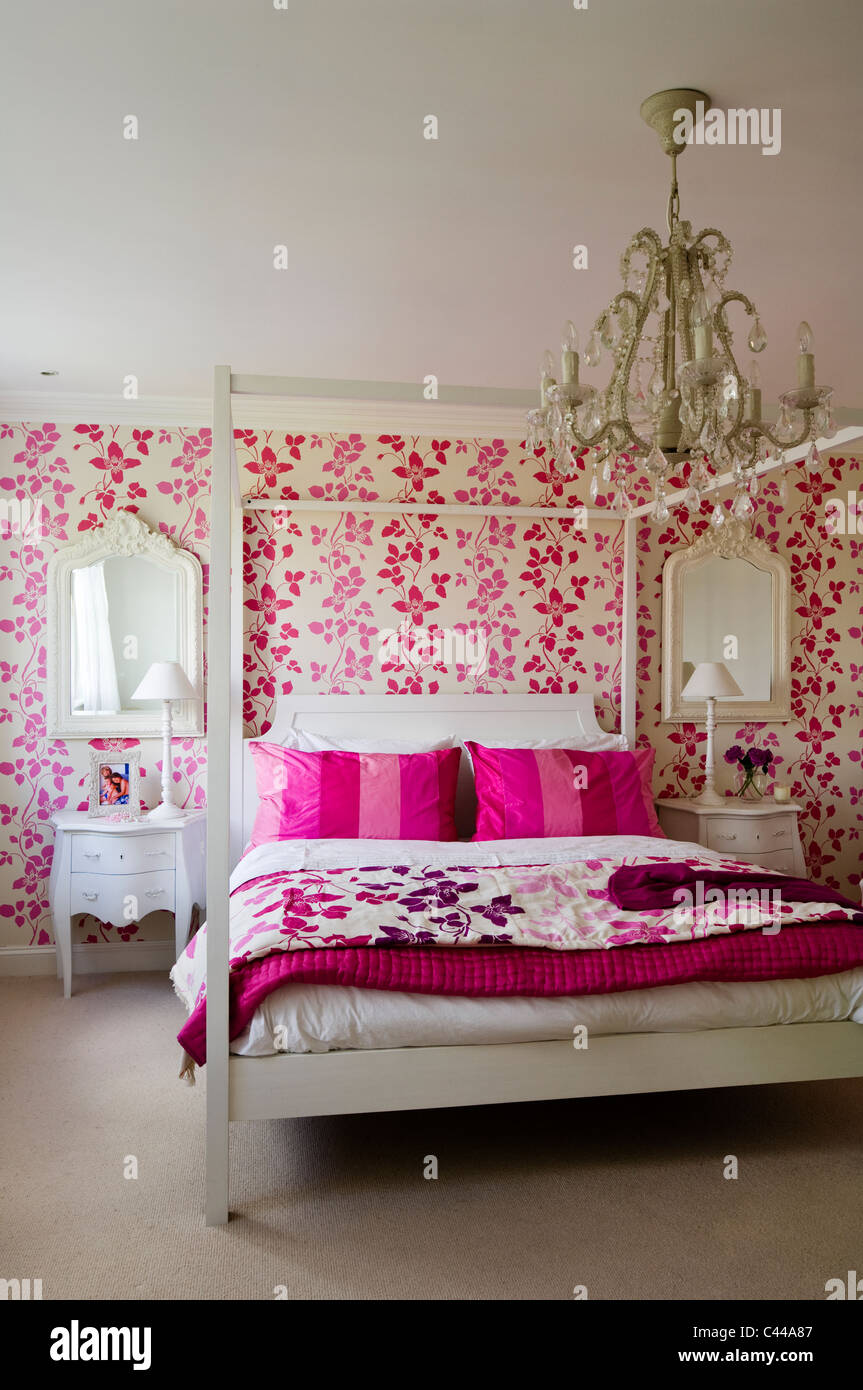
column 710, row 681
column 166, row 681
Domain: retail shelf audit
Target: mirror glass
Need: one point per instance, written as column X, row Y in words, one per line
column 123, row 618
column 728, row 616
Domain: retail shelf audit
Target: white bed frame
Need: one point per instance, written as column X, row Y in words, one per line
column 286, row 1086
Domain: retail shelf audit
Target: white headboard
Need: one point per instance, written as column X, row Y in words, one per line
column 485, row 718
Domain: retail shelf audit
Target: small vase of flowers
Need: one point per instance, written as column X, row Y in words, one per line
column 752, row 766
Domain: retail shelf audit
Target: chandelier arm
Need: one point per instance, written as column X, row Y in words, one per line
column 649, row 243
column 723, row 330
column 593, row 441
column 621, row 377
column 783, row 444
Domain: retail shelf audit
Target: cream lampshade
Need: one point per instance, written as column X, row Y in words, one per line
column 710, row 681
column 166, row 681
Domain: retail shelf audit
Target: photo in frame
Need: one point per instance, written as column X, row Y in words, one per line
column 115, row 783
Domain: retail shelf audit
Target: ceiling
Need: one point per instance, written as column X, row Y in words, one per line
column 406, row 256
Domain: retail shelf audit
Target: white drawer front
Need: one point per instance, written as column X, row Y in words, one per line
column 121, row 897
column 733, row 835
column 122, row 854
column 778, row 861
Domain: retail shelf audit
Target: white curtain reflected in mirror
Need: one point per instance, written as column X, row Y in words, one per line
column 123, row 618
column 728, row 617
column 94, row 673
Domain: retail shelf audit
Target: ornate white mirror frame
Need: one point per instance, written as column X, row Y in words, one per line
column 731, row 541
column 122, row 534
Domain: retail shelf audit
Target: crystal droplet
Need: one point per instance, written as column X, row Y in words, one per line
column 783, row 486
column 622, row 504
column 757, row 337
column 606, row 335
column 708, row 436
column 606, row 470
column 717, row 516
column 656, row 385
column 656, row 463
column 814, row 461
column 593, row 351
column 754, row 484
column 660, row 511
column 691, row 500
column 743, row 506
column 594, row 487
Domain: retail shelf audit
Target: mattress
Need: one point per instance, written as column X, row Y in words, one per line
column 324, row 1018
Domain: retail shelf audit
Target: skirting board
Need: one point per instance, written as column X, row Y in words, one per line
column 411, row 1078
column 90, row 958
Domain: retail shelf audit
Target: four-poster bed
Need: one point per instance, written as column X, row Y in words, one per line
column 288, row 1085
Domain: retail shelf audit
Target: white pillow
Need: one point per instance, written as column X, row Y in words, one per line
column 584, row 743
column 306, row 742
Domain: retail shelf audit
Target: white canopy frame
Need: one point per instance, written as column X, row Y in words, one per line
column 826, row 1051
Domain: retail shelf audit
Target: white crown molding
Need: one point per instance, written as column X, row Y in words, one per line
column 309, row 413
column 293, row 413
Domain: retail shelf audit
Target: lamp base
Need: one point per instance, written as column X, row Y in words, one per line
column 709, row 798
column 166, row 810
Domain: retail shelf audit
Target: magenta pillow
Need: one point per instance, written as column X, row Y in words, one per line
column 353, row 796
column 533, row 792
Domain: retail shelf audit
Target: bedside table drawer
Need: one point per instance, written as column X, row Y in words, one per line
column 122, row 854
column 736, row 835
column 108, row 897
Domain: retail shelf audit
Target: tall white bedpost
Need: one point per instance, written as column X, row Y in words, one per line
column 629, row 632
column 219, row 798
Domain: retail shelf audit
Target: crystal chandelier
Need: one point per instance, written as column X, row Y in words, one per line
column 676, row 401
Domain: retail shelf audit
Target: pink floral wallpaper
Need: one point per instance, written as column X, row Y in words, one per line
column 820, row 751
column 542, row 594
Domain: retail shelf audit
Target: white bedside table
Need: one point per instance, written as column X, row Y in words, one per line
column 763, row 833
column 119, row 871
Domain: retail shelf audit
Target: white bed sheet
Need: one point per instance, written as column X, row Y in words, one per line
column 325, row 1018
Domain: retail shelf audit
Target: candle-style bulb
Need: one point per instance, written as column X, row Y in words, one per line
column 702, row 315
column 754, row 377
column 547, row 368
column 805, row 338
column 569, row 338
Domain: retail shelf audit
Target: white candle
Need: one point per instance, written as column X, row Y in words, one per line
column 806, row 359
column 781, row 793
column 569, row 367
column 703, row 341
column 569, row 355
column 806, row 371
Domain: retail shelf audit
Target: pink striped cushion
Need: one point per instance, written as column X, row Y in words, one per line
column 530, row 792
column 353, row 796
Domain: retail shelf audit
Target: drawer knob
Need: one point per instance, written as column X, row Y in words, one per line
column 91, row 897
column 154, row 892
column 153, row 853
column 92, row 854
column 777, row 834
column 726, row 837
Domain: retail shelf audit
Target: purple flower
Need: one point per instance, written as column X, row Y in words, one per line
column 734, row 754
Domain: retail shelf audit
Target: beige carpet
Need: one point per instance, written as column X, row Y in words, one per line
column 624, row 1195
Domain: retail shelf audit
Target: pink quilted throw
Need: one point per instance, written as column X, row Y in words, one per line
column 531, row 792
column 354, row 796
